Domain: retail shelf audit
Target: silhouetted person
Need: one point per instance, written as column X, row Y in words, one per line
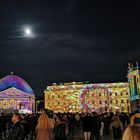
column 17, row 132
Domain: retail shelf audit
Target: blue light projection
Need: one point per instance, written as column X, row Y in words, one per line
column 15, row 81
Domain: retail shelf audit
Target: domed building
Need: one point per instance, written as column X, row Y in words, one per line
column 16, row 94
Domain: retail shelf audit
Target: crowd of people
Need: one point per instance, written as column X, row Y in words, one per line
column 58, row 126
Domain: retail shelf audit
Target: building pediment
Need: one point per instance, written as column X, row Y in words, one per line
column 14, row 93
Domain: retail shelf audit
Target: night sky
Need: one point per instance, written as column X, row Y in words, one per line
column 73, row 40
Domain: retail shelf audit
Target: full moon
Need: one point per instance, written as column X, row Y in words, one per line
column 27, row 31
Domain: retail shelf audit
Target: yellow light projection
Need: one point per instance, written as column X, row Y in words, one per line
column 78, row 97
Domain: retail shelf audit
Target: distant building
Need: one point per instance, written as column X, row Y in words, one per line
column 134, row 86
column 16, row 95
column 39, row 105
column 78, row 96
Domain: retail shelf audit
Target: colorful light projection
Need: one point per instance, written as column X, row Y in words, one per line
column 16, row 94
column 105, row 97
column 134, row 86
column 134, row 82
column 15, row 81
column 94, row 97
column 63, row 98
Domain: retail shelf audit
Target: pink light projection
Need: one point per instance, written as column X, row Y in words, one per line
column 16, row 94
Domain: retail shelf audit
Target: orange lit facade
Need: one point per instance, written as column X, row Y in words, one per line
column 78, row 97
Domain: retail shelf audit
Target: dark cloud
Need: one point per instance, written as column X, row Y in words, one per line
column 74, row 41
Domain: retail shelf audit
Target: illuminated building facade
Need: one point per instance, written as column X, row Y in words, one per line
column 134, row 86
column 78, row 97
column 16, row 94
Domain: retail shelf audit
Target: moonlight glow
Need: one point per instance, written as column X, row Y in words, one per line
column 28, row 31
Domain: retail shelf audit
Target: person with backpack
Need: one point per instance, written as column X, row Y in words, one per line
column 116, row 128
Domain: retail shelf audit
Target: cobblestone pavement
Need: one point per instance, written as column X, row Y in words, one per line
column 79, row 135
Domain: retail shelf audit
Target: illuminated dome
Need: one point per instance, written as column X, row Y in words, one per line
column 15, row 81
